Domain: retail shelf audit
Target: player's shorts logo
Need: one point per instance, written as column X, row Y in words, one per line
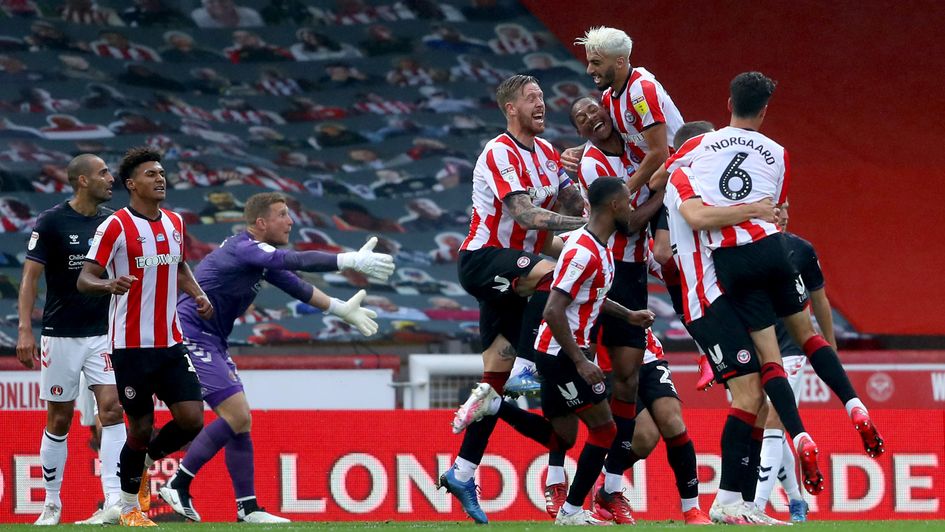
column 598, row 388
column 130, row 392
column 628, row 116
column 743, row 356
column 523, row 262
column 56, row 390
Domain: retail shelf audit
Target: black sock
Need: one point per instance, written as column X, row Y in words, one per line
column 556, row 458
column 782, row 399
column 130, row 467
column 736, row 436
column 633, row 459
column 182, row 480
column 750, row 481
column 618, row 458
column 681, row 455
column 169, row 439
column 530, row 425
column 588, row 469
column 827, row 365
column 476, row 438
column 247, row 506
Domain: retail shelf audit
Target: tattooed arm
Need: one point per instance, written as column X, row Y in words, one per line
column 570, row 201
column 532, row 217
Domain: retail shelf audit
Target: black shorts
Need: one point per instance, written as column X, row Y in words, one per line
column 165, row 372
column 487, row 274
column 660, row 221
column 628, row 289
column 722, row 336
column 675, row 295
column 656, row 381
column 761, row 281
column 563, row 390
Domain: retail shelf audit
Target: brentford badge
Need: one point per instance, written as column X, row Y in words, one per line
column 598, row 388
column 523, row 262
column 880, row 387
column 743, row 356
column 552, row 166
column 176, row 235
column 130, row 392
column 628, row 116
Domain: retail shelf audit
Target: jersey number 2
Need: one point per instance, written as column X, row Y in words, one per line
column 735, row 183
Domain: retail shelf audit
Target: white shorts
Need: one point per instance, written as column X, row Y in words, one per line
column 63, row 359
column 794, row 367
column 85, row 403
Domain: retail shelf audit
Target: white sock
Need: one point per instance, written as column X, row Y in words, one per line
column 148, row 461
column 689, row 504
column 464, row 469
column 789, row 482
column 113, row 439
column 798, row 438
column 612, row 482
column 129, row 501
column 770, row 465
column 494, row 405
column 555, row 475
column 854, row 403
column 727, row 498
column 52, row 455
column 569, row 508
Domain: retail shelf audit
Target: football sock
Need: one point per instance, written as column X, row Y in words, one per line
column 113, row 439
column 736, row 435
column 496, row 379
column 827, row 365
column 612, row 482
column 246, row 505
column 555, row 468
column 589, row 464
column 788, row 473
column 207, row 444
column 239, row 463
column 769, row 467
column 632, row 458
column 681, row 455
column 182, row 479
column 130, row 468
column 750, row 481
column 169, row 439
column 52, row 456
column 531, row 425
column 779, row 391
column 854, row 403
column 618, row 459
column 465, row 469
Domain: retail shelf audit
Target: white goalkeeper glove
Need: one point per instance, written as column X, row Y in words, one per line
column 377, row 266
column 351, row 312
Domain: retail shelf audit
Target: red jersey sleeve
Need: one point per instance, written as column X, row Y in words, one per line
column 683, row 157
column 578, row 269
column 646, row 102
column 505, row 172
column 108, row 237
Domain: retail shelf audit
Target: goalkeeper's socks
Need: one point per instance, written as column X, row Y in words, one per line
column 246, row 506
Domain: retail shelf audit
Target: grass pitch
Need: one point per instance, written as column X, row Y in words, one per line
column 510, row 526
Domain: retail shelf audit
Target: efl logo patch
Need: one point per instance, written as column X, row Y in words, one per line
column 598, row 388
column 523, row 262
column 743, row 356
column 639, row 103
column 56, row 390
column 508, row 174
column 130, row 392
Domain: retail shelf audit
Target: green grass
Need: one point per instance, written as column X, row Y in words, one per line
column 517, row 526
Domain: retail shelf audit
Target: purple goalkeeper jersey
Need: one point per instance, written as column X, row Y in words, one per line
column 231, row 275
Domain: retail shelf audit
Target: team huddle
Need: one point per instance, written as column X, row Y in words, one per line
column 559, row 265
column 703, row 210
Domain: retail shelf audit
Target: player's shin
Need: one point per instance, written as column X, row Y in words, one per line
column 776, row 385
column 681, row 455
column 618, row 457
column 113, row 439
column 589, row 464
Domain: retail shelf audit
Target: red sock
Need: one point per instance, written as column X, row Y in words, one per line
column 496, row 379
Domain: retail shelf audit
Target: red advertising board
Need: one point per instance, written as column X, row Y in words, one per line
column 371, row 466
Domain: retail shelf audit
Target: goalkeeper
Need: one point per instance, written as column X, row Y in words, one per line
column 231, row 276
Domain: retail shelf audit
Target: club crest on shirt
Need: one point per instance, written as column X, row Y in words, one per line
column 551, row 165
column 176, row 235
column 628, row 116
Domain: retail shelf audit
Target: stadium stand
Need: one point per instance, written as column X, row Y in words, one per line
column 368, row 114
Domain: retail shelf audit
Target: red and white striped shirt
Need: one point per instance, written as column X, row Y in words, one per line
column 654, row 349
column 640, row 104
column 506, row 167
column 595, row 163
column 133, row 52
column 700, row 287
column 129, row 244
column 733, row 166
column 585, row 272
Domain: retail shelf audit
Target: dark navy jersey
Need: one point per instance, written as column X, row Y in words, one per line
column 804, row 259
column 59, row 242
column 231, row 275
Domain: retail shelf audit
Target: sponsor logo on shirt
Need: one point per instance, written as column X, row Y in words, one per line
column 74, row 240
column 34, row 237
column 152, row 261
column 160, row 238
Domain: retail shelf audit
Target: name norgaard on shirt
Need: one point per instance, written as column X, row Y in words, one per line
column 742, row 141
column 152, row 261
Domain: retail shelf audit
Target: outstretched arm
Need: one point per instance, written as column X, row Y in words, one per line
column 532, row 217
column 702, row 217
